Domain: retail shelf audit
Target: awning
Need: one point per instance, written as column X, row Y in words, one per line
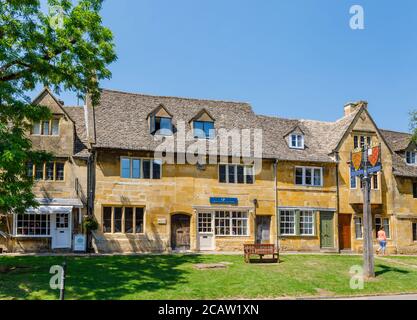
column 49, row 209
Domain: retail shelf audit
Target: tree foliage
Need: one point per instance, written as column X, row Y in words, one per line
column 67, row 48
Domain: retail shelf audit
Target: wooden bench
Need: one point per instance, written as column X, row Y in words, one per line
column 261, row 250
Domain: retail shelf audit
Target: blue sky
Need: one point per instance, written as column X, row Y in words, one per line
column 289, row 58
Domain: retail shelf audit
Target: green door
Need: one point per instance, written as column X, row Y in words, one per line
column 326, row 230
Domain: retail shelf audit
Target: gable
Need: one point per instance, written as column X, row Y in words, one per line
column 203, row 115
column 160, row 111
column 47, row 99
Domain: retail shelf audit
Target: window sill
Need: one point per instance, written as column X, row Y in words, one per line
column 30, row 236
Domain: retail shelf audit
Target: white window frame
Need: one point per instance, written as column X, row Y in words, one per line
column 206, row 213
column 141, row 168
column 230, row 218
column 15, row 223
column 312, row 176
column 313, row 214
column 245, row 169
column 293, row 213
column 411, row 153
column 297, row 146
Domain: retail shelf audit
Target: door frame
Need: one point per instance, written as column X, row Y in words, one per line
column 212, row 234
column 340, row 230
column 53, row 230
column 171, row 228
column 332, row 214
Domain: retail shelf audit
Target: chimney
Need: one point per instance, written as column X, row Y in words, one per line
column 353, row 106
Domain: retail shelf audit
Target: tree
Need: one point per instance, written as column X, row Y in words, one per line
column 413, row 125
column 67, row 48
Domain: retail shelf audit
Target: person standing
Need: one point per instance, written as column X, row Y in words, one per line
column 382, row 239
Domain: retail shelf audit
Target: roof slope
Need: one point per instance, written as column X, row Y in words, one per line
column 399, row 141
column 121, row 118
column 77, row 115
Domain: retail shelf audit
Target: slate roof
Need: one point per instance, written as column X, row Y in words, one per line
column 77, row 115
column 399, row 141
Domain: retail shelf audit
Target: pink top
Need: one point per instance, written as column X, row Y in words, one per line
column 382, row 235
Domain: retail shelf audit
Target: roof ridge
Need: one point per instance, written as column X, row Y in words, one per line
column 174, row 97
column 394, row 131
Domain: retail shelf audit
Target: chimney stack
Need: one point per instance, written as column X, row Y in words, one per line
column 354, row 106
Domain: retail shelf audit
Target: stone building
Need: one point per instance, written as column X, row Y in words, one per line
column 293, row 188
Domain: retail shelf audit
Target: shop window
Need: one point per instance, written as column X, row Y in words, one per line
column 33, row 225
column 231, row 223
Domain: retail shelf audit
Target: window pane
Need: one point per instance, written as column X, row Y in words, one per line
column 353, row 182
column 55, row 127
column 414, row 231
column 36, row 128
column 317, row 177
column 165, row 126
column 59, row 168
column 125, row 168
column 375, row 181
column 299, row 176
column 39, row 172
column 139, row 220
column 387, row 228
column 49, row 171
column 362, row 141
column 146, row 169
column 249, row 174
column 136, row 168
column 222, row 173
column 308, row 176
column 128, row 220
column 107, row 219
column 355, row 142
column 222, row 223
column 198, row 130
column 209, row 129
column 287, row 222
column 299, row 141
column 414, row 190
column 240, row 174
column 293, row 140
column 232, row 173
column 377, row 226
column 117, row 219
column 156, row 169
column 45, row 128
column 306, row 223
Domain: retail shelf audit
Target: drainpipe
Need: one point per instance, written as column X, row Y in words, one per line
column 337, row 200
column 276, row 202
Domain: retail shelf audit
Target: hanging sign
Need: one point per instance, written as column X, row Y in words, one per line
column 372, row 163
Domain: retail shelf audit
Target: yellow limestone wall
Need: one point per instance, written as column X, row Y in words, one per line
column 60, row 146
column 384, row 207
column 181, row 188
column 291, row 195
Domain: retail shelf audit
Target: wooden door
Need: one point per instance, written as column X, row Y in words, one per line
column 326, row 230
column 344, row 231
column 180, row 232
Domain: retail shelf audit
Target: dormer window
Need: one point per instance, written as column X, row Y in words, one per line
column 296, row 141
column 163, row 126
column 411, row 157
column 46, row 128
column 203, row 129
column 160, row 121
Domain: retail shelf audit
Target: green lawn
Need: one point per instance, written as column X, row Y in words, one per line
column 174, row 277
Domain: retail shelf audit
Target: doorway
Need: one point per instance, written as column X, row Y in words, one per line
column 61, row 234
column 344, row 231
column 180, row 232
column 263, row 227
column 326, row 230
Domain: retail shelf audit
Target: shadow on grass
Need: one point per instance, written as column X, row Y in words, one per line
column 386, row 269
column 106, row 277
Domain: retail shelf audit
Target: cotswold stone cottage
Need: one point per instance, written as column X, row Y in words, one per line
column 301, row 197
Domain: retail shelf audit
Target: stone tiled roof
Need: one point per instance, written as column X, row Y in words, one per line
column 121, row 122
column 77, row 115
column 121, row 119
column 399, row 141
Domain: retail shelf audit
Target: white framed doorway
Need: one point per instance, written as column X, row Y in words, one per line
column 205, row 231
column 61, row 230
